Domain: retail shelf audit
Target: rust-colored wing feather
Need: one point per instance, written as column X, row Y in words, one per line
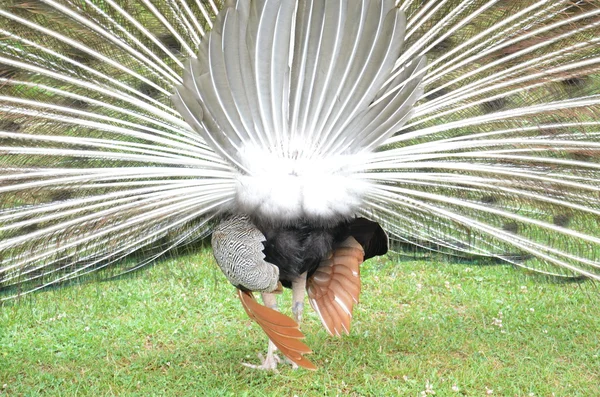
column 281, row 330
column 334, row 288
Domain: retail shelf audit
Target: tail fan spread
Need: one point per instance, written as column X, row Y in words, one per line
column 466, row 127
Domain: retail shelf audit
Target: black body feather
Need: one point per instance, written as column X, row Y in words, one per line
column 301, row 248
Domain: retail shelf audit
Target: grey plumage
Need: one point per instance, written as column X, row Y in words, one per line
column 238, row 248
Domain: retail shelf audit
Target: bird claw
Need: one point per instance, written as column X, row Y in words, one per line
column 268, row 364
column 293, row 364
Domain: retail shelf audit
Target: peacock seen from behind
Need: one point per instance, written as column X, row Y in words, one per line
column 302, row 136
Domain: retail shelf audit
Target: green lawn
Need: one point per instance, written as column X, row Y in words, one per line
column 422, row 327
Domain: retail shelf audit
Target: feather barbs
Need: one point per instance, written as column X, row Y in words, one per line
column 285, row 190
column 281, row 330
column 334, row 288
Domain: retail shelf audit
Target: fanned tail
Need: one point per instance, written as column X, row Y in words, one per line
column 285, row 92
column 501, row 157
column 467, row 127
column 95, row 164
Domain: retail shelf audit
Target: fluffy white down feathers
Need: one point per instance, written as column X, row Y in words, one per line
column 295, row 110
column 286, row 189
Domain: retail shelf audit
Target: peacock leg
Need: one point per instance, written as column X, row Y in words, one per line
column 298, row 292
column 271, row 360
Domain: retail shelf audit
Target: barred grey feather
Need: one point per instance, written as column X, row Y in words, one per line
column 238, row 248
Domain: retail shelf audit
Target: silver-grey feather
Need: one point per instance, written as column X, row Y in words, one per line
column 238, row 248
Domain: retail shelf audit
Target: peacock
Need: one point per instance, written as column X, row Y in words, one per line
column 305, row 136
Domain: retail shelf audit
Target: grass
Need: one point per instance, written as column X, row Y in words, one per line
column 422, row 327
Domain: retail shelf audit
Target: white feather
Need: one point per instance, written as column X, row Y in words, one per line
column 288, row 189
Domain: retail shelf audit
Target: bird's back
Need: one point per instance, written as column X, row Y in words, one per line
column 301, row 248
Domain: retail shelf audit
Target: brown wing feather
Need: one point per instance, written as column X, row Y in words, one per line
column 281, row 330
column 334, row 288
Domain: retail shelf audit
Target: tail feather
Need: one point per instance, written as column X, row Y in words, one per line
column 95, row 163
column 518, row 145
column 476, row 124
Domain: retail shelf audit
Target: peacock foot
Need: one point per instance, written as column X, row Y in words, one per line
column 293, row 364
column 269, row 363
